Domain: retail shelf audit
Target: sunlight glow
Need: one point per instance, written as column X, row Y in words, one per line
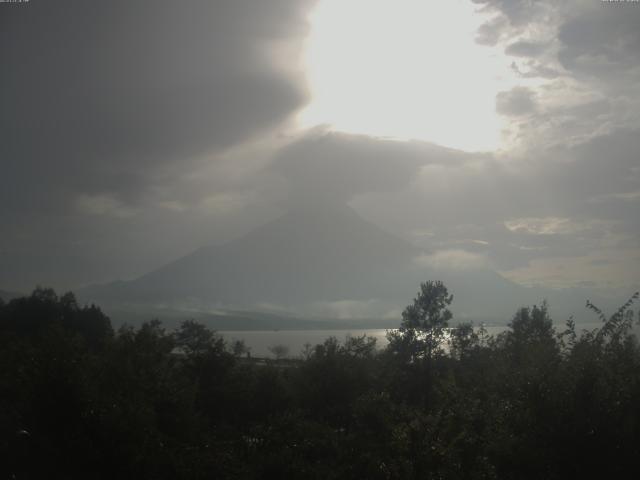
column 406, row 69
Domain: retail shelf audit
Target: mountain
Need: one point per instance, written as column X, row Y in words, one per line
column 310, row 254
column 315, row 262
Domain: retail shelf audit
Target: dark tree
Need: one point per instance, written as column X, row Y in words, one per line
column 424, row 323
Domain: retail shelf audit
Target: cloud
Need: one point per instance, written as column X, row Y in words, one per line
column 223, row 203
column 121, row 152
column 507, row 210
column 573, row 56
column 111, row 96
column 116, row 117
column 523, row 48
column 602, row 42
column 633, row 196
column 516, row 102
column 517, row 12
column 510, row 18
column 491, row 31
column 104, row 205
column 543, row 226
column 515, row 209
column 323, row 166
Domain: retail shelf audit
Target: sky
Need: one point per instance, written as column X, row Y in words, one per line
column 501, row 133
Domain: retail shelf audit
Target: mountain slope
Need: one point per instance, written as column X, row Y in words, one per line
column 307, row 255
column 323, row 262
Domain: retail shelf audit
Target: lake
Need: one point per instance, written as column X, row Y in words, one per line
column 259, row 341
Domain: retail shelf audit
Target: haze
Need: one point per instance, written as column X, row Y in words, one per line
column 321, row 158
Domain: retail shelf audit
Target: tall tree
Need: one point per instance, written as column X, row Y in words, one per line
column 422, row 331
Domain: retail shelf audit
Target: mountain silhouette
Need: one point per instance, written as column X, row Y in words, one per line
column 314, row 255
column 309, row 254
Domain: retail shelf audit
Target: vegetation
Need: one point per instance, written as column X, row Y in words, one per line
column 78, row 400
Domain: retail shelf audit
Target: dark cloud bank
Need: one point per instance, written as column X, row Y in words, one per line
column 111, row 101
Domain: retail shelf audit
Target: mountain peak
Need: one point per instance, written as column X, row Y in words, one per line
column 320, row 253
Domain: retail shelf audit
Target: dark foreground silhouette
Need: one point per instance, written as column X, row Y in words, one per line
column 78, row 400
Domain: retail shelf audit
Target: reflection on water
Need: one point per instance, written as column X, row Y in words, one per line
column 295, row 340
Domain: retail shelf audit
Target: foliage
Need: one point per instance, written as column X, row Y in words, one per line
column 80, row 401
column 424, row 323
column 279, row 351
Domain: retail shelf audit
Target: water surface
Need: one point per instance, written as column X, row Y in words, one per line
column 259, row 341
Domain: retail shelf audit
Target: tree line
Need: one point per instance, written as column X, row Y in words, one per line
column 80, row 400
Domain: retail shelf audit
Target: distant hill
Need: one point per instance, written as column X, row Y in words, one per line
column 321, row 262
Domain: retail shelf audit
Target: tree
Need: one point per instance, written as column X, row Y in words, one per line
column 463, row 339
column 196, row 340
column 532, row 339
column 239, row 348
column 279, row 351
column 43, row 309
column 424, row 323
